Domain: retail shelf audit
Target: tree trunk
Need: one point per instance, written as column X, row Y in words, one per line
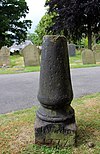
column 89, row 37
column 65, row 32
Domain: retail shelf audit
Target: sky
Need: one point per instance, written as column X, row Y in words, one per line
column 36, row 11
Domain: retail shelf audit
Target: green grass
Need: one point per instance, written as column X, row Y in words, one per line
column 19, row 70
column 16, row 60
column 17, row 133
column 34, row 149
column 17, row 65
column 76, row 62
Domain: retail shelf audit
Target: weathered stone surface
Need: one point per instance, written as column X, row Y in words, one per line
column 55, row 134
column 71, row 50
column 97, row 56
column 96, row 49
column 88, row 57
column 31, row 55
column 4, row 56
column 55, row 117
column 55, row 87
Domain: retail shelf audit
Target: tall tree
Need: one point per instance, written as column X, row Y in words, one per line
column 12, row 27
column 76, row 17
column 41, row 29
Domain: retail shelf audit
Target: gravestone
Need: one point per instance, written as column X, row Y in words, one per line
column 55, row 119
column 31, row 55
column 71, row 50
column 88, row 57
column 4, row 56
column 96, row 49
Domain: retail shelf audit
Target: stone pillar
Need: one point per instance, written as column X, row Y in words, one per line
column 55, row 119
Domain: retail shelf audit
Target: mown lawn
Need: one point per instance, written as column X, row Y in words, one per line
column 17, row 65
column 17, row 133
column 76, row 61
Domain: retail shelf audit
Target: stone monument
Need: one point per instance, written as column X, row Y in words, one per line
column 96, row 49
column 88, row 57
column 55, row 119
column 4, row 56
column 31, row 55
column 71, row 50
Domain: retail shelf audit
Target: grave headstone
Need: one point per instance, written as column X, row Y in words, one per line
column 31, row 55
column 88, row 57
column 4, row 56
column 71, row 50
column 55, row 119
column 96, row 49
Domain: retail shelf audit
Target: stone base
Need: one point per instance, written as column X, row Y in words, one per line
column 55, row 134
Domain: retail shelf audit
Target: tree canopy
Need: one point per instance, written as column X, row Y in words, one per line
column 41, row 29
column 12, row 27
column 75, row 17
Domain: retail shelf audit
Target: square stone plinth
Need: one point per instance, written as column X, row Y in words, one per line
column 55, row 134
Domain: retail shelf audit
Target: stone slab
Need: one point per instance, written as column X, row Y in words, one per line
column 71, row 50
column 31, row 55
column 88, row 57
column 4, row 56
column 55, row 134
column 96, row 49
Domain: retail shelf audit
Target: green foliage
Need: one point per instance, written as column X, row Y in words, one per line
column 84, row 42
column 30, row 36
column 12, row 27
column 75, row 17
column 42, row 27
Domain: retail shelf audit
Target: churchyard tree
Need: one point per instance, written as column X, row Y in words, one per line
column 13, row 26
column 75, row 18
column 42, row 28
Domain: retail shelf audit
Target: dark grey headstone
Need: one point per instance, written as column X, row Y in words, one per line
column 71, row 50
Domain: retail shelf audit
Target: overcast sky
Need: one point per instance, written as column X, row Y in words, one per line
column 36, row 11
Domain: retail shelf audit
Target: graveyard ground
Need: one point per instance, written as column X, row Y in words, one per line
column 17, row 135
column 17, row 64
